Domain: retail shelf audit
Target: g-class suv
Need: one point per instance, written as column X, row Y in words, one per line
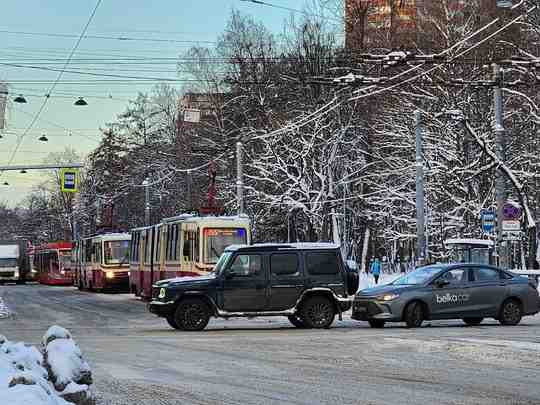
column 309, row 283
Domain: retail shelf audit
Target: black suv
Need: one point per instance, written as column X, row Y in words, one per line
column 309, row 283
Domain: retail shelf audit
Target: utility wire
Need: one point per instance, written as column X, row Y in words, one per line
column 38, row 114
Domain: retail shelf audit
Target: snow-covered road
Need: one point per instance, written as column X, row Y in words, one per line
column 136, row 358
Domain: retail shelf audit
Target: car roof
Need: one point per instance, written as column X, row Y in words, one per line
column 270, row 247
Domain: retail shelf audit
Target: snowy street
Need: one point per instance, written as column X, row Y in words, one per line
column 138, row 358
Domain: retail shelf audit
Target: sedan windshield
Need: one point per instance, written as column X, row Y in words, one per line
column 418, row 276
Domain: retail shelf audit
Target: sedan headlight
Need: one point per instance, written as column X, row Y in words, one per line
column 387, row 297
column 109, row 274
column 162, row 293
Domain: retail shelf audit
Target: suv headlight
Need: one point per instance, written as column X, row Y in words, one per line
column 162, row 293
column 387, row 297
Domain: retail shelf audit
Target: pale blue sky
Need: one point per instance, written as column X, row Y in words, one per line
column 178, row 20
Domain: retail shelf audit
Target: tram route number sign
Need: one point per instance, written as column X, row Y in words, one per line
column 69, row 180
column 489, row 218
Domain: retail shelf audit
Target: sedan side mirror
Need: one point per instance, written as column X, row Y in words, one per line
column 441, row 283
column 229, row 275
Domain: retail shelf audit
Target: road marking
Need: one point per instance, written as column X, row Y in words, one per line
column 4, row 310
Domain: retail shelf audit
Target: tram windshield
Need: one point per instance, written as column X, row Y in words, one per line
column 217, row 239
column 116, row 252
column 65, row 259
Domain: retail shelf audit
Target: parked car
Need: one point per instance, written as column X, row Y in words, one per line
column 308, row 283
column 466, row 291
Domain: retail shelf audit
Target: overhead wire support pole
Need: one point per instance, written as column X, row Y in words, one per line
column 146, row 185
column 240, row 177
column 420, row 210
column 500, row 181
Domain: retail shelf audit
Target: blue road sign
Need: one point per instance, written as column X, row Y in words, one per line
column 489, row 219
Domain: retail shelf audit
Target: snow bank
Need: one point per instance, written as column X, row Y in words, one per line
column 65, row 364
column 26, row 377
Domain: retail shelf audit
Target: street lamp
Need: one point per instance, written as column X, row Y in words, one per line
column 80, row 102
column 19, row 99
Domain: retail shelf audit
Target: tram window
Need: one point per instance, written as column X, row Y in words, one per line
column 170, row 236
column 158, row 245
column 175, row 242
column 148, row 243
column 195, row 236
column 186, row 252
column 88, row 251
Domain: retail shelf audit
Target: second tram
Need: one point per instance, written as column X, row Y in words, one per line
column 53, row 264
column 103, row 262
column 181, row 246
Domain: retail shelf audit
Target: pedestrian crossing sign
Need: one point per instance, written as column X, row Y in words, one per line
column 69, row 180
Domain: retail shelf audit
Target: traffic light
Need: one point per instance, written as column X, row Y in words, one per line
column 69, row 180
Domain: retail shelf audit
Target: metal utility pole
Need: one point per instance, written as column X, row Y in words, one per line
column 146, row 185
column 239, row 177
column 189, row 191
column 500, row 181
column 420, row 224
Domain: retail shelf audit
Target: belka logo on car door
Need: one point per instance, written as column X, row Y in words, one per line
column 452, row 298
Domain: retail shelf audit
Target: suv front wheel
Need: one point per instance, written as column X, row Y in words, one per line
column 318, row 312
column 192, row 314
column 297, row 321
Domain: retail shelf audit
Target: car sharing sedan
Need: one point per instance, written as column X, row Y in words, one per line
column 470, row 292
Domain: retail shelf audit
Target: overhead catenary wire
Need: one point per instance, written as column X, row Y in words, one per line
column 38, row 114
column 105, row 37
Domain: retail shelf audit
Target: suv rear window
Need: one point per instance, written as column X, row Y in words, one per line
column 319, row 263
column 284, row 264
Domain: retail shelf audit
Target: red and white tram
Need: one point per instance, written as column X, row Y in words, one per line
column 52, row 263
column 103, row 262
column 185, row 245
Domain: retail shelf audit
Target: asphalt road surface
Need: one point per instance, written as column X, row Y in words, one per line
column 138, row 359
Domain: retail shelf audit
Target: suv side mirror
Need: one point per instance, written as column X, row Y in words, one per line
column 441, row 283
column 229, row 274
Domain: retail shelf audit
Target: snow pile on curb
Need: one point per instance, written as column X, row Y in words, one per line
column 60, row 376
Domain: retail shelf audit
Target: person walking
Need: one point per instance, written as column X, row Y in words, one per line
column 375, row 269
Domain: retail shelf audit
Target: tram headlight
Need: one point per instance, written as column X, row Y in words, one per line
column 109, row 274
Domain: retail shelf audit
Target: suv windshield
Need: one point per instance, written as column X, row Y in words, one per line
column 418, row 276
column 223, row 259
column 116, row 252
